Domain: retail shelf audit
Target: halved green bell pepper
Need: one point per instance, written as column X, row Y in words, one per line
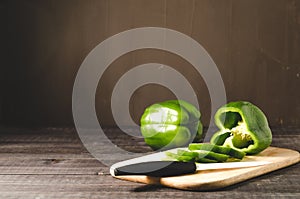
column 171, row 124
column 243, row 126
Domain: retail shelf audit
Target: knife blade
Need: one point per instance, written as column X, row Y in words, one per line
column 175, row 168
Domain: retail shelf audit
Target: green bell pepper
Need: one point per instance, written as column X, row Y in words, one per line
column 217, row 149
column 205, row 153
column 202, row 156
column 243, row 126
column 171, row 124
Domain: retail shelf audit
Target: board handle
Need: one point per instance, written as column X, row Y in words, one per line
column 156, row 169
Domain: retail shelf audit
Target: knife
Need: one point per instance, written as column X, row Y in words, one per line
column 175, row 168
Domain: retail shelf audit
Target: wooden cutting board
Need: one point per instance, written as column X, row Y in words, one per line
column 216, row 179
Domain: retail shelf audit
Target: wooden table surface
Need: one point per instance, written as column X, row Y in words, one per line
column 52, row 163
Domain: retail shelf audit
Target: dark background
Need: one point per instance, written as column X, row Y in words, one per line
column 255, row 44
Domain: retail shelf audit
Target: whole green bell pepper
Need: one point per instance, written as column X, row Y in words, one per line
column 243, row 126
column 171, row 124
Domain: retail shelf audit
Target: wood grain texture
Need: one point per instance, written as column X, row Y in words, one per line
column 254, row 43
column 57, row 173
column 216, row 179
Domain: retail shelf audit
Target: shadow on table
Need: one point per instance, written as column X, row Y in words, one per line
column 148, row 187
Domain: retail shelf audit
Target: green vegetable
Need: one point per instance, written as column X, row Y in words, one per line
column 243, row 126
column 197, row 156
column 206, row 153
column 171, row 124
column 217, row 149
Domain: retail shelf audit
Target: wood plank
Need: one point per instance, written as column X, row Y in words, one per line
column 44, row 172
column 216, row 179
column 21, row 156
column 58, row 180
column 57, row 171
column 52, row 162
column 67, row 186
column 153, row 193
column 52, row 166
column 105, row 181
column 284, row 175
column 37, row 148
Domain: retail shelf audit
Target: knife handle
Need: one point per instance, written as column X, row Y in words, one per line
column 157, row 168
